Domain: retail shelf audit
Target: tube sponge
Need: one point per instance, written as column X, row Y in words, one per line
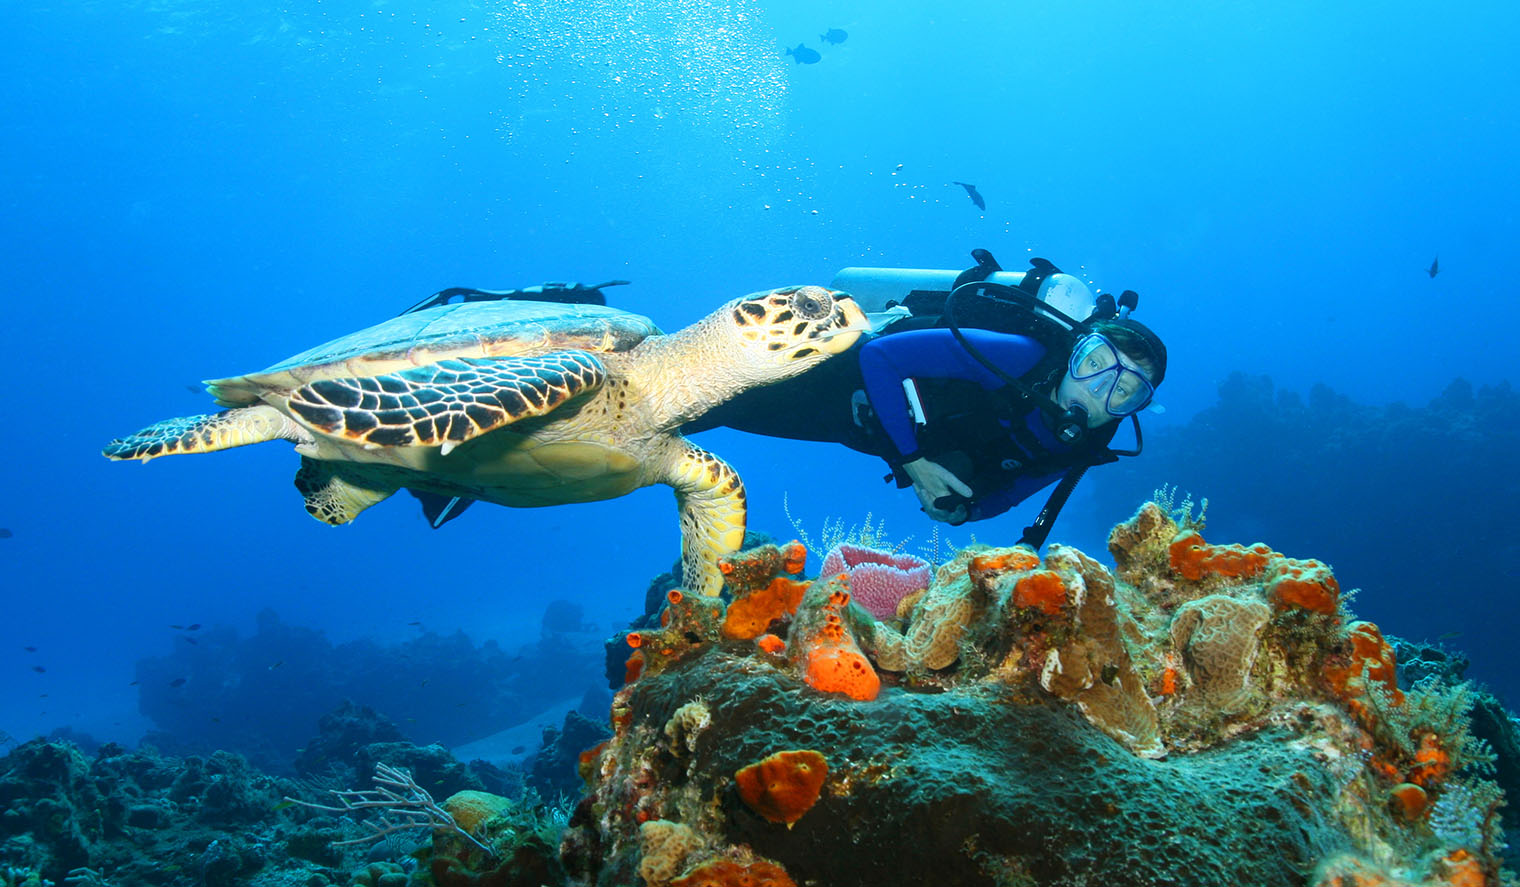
column 878, row 579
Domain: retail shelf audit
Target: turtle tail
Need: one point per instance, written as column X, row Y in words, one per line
column 203, row 434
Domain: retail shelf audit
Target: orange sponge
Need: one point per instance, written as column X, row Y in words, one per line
column 1193, row 559
column 834, row 663
column 748, row 616
column 842, row 670
column 1042, row 590
column 1369, row 652
column 727, row 873
column 1307, row 585
column 783, row 786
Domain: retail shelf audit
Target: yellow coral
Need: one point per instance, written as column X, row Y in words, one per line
column 665, row 846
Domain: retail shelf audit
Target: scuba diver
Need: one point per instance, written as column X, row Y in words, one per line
column 979, row 388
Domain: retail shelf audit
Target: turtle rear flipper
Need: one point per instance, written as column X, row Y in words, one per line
column 446, row 403
column 438, row 508
column 713, row 512
column 331, row 498
column 204, row 434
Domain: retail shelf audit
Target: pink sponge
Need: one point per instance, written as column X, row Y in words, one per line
column 878, row 579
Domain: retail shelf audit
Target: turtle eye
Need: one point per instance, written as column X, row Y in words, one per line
column 809, row 305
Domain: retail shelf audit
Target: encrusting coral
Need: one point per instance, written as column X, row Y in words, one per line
column 1199, row 714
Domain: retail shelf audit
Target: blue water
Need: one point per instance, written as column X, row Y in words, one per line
column 195, row 190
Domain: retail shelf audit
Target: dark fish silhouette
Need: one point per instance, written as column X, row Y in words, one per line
column 835, row 36
column 30, row 649
column 5, row 533
column 975, row 195
column 1435, row 267
column 177, row 627
column 194, row 626
column 39, row 669
column 805, row 56
column 177, row 682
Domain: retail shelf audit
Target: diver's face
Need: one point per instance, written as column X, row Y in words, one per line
column 1105, row 389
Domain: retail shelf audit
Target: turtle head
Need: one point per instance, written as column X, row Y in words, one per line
column 796, row 326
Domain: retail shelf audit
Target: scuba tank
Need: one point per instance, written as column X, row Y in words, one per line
column 883, row 292
column 1042, row 303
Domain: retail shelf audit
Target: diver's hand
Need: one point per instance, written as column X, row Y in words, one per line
column 932, row 482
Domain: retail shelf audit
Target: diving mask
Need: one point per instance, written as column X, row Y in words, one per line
column 1102, row 371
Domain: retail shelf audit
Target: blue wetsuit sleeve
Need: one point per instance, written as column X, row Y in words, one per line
column 996, row 502
column 935, row 354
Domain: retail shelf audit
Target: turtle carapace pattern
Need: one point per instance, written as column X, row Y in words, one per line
column 522, row 404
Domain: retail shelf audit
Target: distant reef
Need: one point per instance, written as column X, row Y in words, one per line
column 262, row 695
column 1198, row 713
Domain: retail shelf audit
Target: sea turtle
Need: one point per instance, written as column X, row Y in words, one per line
column 521, row 403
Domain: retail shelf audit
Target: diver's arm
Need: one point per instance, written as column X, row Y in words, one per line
column 934, row 354
column 995, row 502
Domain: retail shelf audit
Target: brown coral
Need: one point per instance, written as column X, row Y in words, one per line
column 1218, row 637
column 1093, row 667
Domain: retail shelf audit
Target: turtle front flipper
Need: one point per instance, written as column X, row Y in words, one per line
column 205, row 434
column 713, row 511
column 330, row 498
column 445, row 403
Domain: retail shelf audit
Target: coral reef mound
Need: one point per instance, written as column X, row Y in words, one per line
column 1201, row 714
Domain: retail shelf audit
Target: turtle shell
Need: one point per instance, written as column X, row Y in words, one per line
column 470, row 329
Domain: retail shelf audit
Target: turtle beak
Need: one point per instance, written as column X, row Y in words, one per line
column 844, row 327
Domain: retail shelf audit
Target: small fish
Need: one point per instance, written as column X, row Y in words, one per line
column 1435, row 267
column 194, row 626
column 899, row 168
column 5, row 533
column 1448, row 635
column 197, row 390
column 191, row 641
column 835, row 36
column 518, row 749
column 975, row 195
column 804, row 56
column 414, row 622
column 284, row 805
column 30, row 649
column 277, row 665
column 177, row 682
column 39, row 669
column 177, row 627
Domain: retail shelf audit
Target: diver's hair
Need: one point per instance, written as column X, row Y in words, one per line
column 1137, row 341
